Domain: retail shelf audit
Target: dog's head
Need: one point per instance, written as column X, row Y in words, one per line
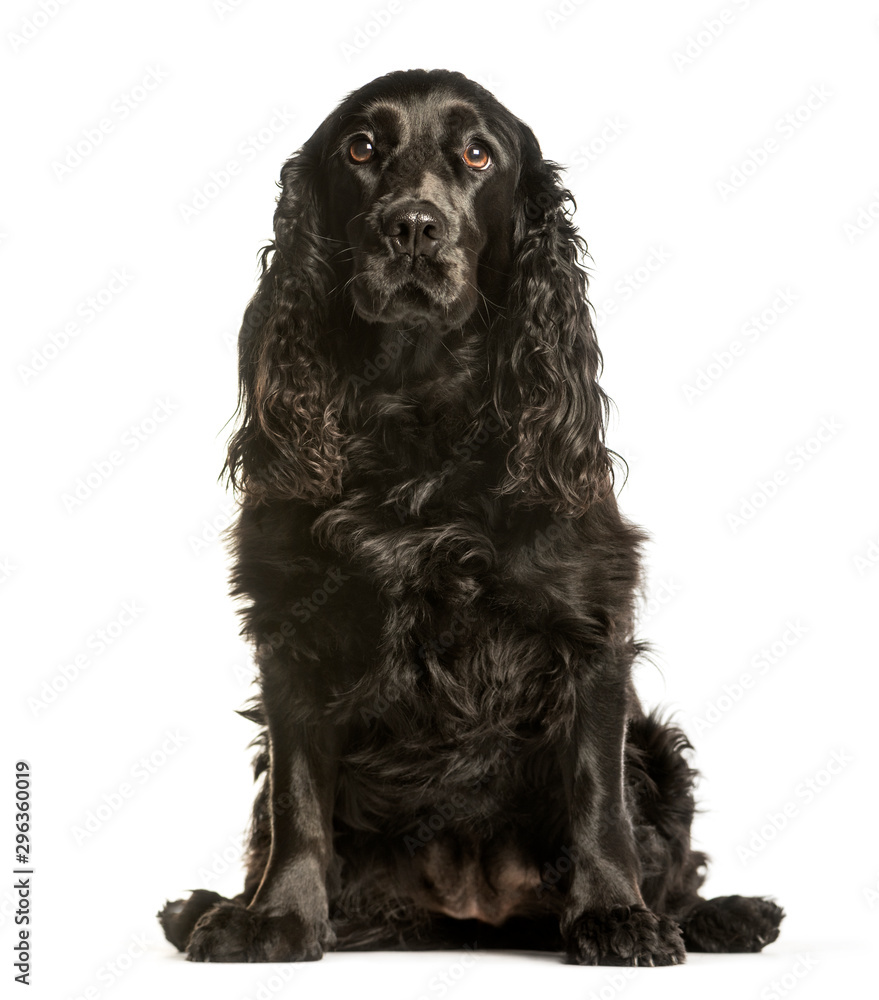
column 421, row 204
column 422, row 170
column 418, row 181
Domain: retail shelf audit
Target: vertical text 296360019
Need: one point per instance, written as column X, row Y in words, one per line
column 23, row 871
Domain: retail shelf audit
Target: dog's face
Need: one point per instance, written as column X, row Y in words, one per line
column 421, row 168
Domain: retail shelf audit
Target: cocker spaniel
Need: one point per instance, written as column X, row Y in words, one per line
column 439, row 584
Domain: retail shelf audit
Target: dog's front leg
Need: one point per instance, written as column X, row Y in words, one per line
column 605, row 921
column 302, row 776
column 287, row 919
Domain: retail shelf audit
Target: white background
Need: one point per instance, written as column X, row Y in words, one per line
column 666, row 126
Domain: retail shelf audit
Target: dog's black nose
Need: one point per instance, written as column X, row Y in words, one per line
column 415, row 229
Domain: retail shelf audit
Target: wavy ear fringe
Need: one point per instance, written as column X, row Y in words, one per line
column 288, row 443
column 546, row 366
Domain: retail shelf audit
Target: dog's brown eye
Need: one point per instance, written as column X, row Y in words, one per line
column 361, row 150
column 476, row 156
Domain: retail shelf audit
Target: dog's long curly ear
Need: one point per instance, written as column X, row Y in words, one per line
column 546, row 366
column 288, row 442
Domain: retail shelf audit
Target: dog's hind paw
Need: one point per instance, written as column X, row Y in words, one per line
column 732, row 923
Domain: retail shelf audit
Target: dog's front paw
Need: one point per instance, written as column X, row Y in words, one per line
column 625, row 935
column 231, row 933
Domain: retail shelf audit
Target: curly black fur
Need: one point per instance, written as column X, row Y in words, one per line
column 439, row 586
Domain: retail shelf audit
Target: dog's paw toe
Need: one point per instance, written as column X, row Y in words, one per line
column 626, row 935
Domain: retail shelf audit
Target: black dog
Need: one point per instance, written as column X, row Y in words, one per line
column 440, row 584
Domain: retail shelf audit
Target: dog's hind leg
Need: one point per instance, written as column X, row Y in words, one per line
column 660, row 783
